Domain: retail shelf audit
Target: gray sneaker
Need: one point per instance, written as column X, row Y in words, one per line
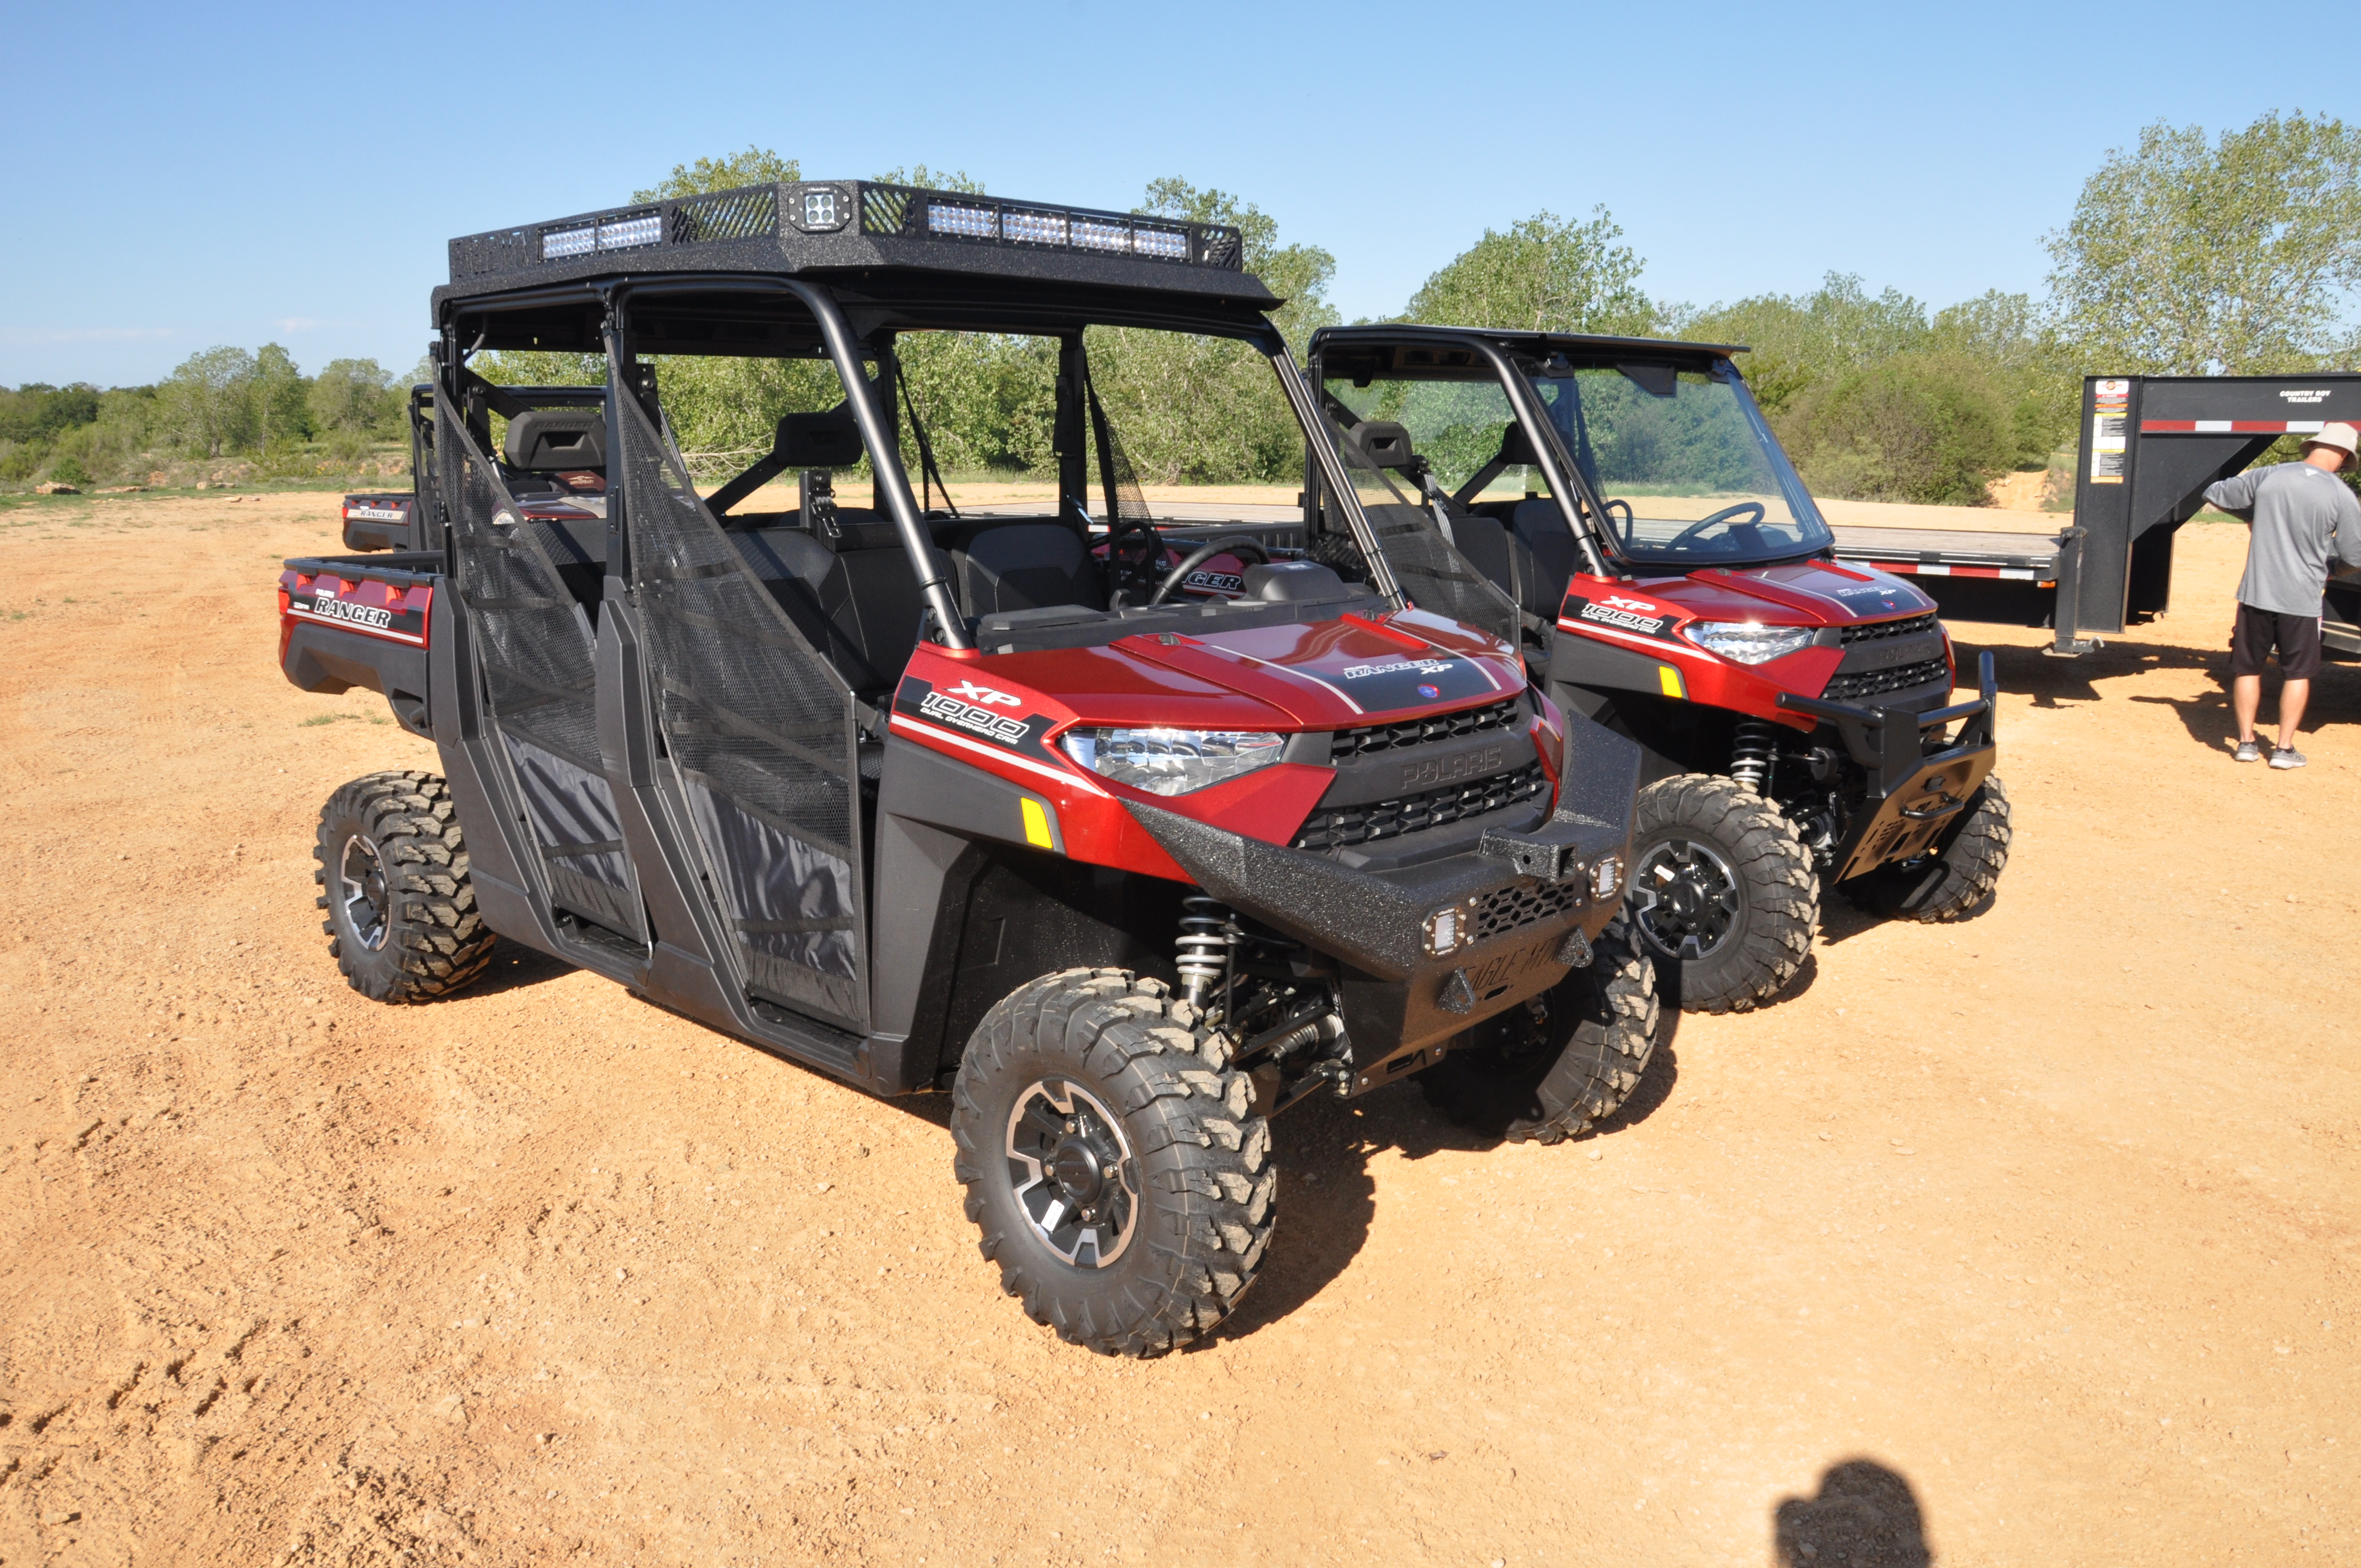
column 2287, row 757
column 2247, row 752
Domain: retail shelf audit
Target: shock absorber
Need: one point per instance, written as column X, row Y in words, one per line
column 1203, row 948
column 1750, row 754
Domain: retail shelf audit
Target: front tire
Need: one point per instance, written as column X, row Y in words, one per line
column 1722, row 892
column 1557, row 1074
column 1110, row 1165
column 1953, row 883
column 392, row 876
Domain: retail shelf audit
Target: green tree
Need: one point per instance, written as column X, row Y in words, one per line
column 2240, row 256
column 208, row 400
column 353, row 395
column 1798, row 341
column 281, row 400
column 754, row 166
column 1922, row 425
column 1545, row 274
column 927, row 179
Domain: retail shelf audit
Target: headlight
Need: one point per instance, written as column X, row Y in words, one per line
column 1747, row 642
column 1172, row 761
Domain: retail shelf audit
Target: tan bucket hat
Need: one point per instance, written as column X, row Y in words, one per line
column 2339, row 435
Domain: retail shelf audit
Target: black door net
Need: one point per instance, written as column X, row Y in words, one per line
column 534, row 644
column 761, row 730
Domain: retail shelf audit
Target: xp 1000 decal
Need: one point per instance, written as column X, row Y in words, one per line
column 975, row 711
column 1618, row 612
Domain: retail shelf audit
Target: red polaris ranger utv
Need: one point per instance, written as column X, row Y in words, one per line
column 1675, row 582
column 970, row 801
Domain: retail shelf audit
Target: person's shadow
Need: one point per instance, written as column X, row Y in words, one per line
column 1866, row 1516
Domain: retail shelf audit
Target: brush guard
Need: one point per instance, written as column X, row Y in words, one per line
column 1914, row 798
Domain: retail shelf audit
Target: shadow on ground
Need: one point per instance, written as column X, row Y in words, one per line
column 1329, row 1196
column 1865, row 1516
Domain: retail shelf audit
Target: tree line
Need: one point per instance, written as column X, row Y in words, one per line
column 222, row 403
column 2185, row 254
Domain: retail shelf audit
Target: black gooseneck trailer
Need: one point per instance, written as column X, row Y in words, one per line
column 2149, row 446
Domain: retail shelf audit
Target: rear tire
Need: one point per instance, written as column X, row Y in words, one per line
column 1555, row 1077
column 392, row 874
column 1953, row 883
column 1722, row 892
column 1113, row 1170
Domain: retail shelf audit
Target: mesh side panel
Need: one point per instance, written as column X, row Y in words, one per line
column 759, row 726
column 736, row 215
column 534, row 645
column 503, row 251
column 883, row 209
column 1128, row 501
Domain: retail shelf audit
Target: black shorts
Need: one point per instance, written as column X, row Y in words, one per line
column 2258, row 632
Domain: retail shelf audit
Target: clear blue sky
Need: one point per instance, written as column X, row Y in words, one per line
column 178, row 176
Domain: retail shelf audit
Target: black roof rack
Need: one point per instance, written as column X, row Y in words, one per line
column 836, row 225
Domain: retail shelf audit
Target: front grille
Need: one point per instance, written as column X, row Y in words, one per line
column 1880, row 631
column 1350, row 743
column 1520, row 904
column 1390, row 818
column 1872, row 683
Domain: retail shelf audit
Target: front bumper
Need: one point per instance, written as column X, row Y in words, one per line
column 1915, row 797
column 1522, row 897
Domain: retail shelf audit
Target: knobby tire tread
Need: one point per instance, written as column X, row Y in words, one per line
column 1617, row 1015
column 1206, row 1174
column 437, row 941
column 1782, row 890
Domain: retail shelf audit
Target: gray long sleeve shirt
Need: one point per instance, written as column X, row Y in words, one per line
column 2299, row 514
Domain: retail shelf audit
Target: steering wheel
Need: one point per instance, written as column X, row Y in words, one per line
column 1726, row 515
column 1133, row 571
column 1238, row 544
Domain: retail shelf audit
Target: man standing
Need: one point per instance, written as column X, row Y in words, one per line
column 2298, row 513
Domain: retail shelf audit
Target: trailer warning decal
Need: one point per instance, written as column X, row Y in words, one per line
column 2230, row 426
column 2110, row 407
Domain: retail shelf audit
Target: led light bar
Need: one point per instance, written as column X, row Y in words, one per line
column 967, row 223
column 626, row 233
column 1034, row 228
column 864, row 207
column 1165, row 245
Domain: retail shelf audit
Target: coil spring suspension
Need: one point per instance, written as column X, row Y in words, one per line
column 1203, row 948
column 1751, row 754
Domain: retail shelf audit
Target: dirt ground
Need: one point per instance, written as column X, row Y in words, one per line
column 2028, row 1240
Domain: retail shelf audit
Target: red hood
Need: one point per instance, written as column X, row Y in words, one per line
column 1338, row 673
column 1329, row 674
column 1805, row 593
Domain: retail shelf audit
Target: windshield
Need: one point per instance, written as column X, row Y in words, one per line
column 1681, row 459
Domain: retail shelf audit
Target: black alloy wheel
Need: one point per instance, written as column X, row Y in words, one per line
column 1722, row 892
column 360, row 889
column 392, row 876
column 1684, row 898
column 1073, row 1172
column 1113, row 1166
